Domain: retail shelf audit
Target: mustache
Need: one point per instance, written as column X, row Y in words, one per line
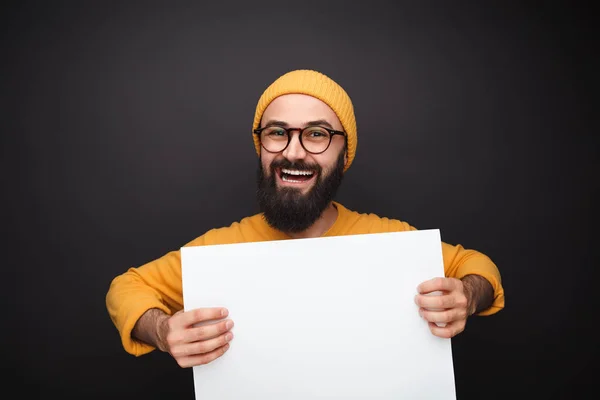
column 298, row 165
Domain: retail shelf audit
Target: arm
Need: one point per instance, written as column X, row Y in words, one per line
column 479, row 274
column 460, row 263
column 154, row 286
column 146, row 306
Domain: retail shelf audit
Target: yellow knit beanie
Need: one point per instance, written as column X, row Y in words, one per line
column 317, row 85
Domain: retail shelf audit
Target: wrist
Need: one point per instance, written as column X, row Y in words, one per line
column 468, row 290
column 151, row 328
column 479, row 293
column 161, row 330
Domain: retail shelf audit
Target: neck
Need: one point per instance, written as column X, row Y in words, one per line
column 322, row 225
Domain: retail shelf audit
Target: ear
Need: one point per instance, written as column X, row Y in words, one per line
column 345, row 157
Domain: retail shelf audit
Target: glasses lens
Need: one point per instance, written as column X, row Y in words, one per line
column 315, row 139
column 274, row 138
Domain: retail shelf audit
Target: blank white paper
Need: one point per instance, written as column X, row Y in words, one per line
column 329, row 317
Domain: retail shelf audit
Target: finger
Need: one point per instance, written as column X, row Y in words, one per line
column 439, row 283
column 201, row 359
column 205, row 332
column 446, row 316
column 192, row 317
column 448, row 331
column 435, row 302
column 201, row 347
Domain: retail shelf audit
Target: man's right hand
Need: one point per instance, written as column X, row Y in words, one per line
column 190, row 344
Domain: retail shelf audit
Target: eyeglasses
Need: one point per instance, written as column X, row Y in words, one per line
column 314, row 139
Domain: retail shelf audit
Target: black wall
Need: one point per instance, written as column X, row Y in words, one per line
column 126, row 133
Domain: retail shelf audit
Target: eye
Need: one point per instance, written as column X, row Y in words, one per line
column 316, row 133
column 275, row 132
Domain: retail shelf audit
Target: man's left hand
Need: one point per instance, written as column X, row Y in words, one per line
column 447, row 310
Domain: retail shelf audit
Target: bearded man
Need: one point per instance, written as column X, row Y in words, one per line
column 305, row 136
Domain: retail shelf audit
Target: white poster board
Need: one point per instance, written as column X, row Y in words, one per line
column 327, row 318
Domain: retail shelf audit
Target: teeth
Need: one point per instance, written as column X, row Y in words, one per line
column 285, row 179
column 296, row 172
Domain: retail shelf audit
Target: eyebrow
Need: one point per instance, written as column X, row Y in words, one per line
column 283, row 124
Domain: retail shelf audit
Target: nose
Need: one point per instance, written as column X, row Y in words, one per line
column 294, row 151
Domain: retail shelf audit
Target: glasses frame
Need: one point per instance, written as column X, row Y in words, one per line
column 288, row 131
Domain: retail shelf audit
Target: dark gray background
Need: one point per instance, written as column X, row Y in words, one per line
column 126, row 133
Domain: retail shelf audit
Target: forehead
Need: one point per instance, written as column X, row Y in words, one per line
column 298, row 109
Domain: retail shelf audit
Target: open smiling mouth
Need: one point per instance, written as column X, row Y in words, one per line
column 294, row 175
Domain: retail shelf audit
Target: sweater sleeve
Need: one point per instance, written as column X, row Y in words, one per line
column 459, row 262
column 156, row 284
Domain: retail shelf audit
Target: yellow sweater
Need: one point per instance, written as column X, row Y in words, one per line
column 157, row 284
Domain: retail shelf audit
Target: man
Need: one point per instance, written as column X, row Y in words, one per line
column 305, row 135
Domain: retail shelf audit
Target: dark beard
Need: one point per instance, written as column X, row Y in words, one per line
column 287, row 209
